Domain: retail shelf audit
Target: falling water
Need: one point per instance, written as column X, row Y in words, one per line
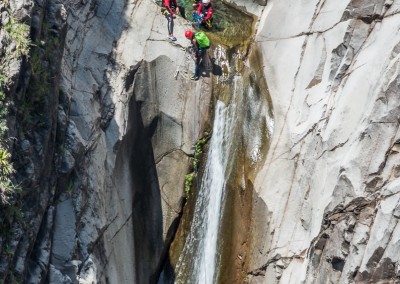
column 198, row 261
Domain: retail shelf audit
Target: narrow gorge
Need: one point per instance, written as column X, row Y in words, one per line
column 280, row 165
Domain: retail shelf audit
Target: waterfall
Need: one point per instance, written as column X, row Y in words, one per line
column 199, row 259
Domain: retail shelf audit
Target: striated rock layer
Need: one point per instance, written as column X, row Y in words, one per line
column 331, row 180
column 102, row 166
column 135, row 120
column 104, row 133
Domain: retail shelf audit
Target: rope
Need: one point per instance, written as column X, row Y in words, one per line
column 180, row 64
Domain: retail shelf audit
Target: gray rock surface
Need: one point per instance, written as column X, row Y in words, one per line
column 254, row 7
column 330, row 181
column 99, row 189
column 127, row 111
column 328, row 204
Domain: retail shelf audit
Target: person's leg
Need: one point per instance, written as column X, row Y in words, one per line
column 196, row 68
column 201, row 59
column 182, row 11
column 197, row 64
column 170, row 25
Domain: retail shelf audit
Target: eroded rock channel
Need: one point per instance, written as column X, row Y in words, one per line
column 213, row 239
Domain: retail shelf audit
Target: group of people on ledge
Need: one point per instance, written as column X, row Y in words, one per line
column 202, row 16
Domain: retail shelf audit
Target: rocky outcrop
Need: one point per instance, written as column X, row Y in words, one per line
column 105, row 119
column 121, row 84
column 32, row 88
column 112, row 147
column 254, row 7
column 330, row 182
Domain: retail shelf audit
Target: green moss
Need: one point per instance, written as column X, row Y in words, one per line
column 70, row 189
column 189, row 181
column 19, row 34
column 7, row 188
column 33, row 103
column 198, row 150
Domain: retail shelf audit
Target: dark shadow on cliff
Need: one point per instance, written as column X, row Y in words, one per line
column 216, row 69
column 136, row 150
column 208, row 67
column 165, row 273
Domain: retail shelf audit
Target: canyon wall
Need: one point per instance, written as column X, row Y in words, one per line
column 102, row 169
column 105, row 116
column 331, row 179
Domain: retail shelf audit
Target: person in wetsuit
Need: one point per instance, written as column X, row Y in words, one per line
column 205, row 11
column 170, row 9
column 200, row 43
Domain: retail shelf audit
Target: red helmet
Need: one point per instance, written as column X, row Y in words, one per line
column 188, row 34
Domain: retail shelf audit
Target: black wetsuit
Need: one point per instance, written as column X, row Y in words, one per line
column 170, row 6
column 199, row 53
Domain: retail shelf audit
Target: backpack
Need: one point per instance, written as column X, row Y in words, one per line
column 202, row 40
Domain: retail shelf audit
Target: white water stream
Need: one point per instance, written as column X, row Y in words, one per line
column 199, row 259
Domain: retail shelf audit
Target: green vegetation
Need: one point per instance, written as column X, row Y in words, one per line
column 19, row 33
column 6, row 167
column 4, row 80
column 189, row 181
column 70, row 189
column 198, row 150
column 6, row 170
column 17, row 44
column 32, row 110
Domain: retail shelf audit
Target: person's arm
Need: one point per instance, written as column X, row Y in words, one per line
column 167, row 5
column 195, row 47
column 199, row 8
column 209, row 14
column 176, row 6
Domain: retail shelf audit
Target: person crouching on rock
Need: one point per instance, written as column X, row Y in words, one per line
column 169, row 10
column 200, row 44
column 204, row 13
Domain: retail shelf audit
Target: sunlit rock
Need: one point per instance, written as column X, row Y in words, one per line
column 332, row 76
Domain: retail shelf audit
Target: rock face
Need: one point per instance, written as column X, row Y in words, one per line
column 331, row 179
column 132, row 117
column 104, row 132
column 111, row 160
